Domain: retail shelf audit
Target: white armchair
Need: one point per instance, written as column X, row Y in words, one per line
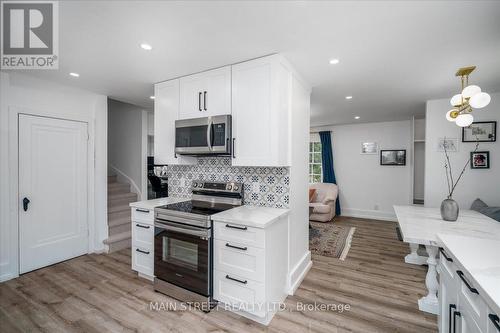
column 322, row 205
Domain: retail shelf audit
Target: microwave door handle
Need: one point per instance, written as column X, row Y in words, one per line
column 209, row 133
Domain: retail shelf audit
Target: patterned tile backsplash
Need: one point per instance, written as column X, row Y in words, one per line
column 263, row 186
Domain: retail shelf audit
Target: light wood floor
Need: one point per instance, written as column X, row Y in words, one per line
column 100, row 293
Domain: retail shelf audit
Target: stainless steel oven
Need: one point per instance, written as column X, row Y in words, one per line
column 203, row 136
column 183, row 259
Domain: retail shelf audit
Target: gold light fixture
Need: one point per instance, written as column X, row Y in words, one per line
column 470, row 97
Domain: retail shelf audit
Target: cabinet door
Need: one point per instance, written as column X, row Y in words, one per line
column 259, row 113
column 466, row 323
column 191, row 96
column 165, row 115
column 448, row 302
column 216, row 99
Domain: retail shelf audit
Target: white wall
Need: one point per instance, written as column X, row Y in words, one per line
column 484, row 184
column 125, row 136
column 298, row 239
column 44, row 98
column 366, row 188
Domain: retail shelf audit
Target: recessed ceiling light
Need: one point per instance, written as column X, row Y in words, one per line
column 348, row 97
column 152, row 97
column 146, row 47
column 357, row 117
column 334, row 61
column 74, row 74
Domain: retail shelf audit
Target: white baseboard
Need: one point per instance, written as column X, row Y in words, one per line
column 8, row 276
column 369, row 214
column 299, row 272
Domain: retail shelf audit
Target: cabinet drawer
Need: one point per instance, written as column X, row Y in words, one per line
column 143, row 215
column 240, row 259
column 142, row 260
column 240, row 234
column 142, row 235
column 446, row 263
column 246, row 295
column 471, row 301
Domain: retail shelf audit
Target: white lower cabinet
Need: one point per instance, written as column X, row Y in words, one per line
column 250, row 268
column 462, row 309
column 143, row 242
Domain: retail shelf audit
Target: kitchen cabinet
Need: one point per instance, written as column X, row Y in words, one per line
column 166, row 113
column 143, row 242
column 206, row 94
column 261, row 95
column 448, row 294
column 249, row 274
column 462, row 308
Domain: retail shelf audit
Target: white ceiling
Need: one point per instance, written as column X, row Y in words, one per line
column 393, row 55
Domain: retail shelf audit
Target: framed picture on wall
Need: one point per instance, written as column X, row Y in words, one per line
column 482, row 131
column 369, row 148
column 451, row 144
column 480, row 160
column 393, row 157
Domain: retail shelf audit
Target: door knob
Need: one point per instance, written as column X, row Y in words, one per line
column 26, row 201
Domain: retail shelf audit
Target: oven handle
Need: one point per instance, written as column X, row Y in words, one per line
column 183, row 230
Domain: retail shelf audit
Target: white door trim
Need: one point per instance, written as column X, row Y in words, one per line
column 14, row 200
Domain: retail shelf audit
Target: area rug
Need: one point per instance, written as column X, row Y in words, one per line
column 330, row 240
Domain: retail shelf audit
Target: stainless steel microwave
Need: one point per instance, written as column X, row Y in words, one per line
column 203, row 136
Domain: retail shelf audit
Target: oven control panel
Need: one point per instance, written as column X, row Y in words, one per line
column 217, row 186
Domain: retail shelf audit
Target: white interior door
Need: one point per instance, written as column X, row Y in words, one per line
column 53, row 177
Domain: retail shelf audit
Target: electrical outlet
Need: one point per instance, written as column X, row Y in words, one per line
column 256, row 187
column 376, row 207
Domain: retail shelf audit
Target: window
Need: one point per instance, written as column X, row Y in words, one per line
column 315, row 172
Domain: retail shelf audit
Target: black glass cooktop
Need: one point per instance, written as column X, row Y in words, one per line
column 197, row 207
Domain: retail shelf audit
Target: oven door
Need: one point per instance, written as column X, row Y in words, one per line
column 200, row 136
column 183, row 256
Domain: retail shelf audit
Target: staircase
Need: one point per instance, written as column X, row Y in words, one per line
column 119, row 220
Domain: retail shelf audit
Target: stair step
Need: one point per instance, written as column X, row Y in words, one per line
column 118, row 237
column 118, row 229
column 119, row 215
column 112, row 179
column 119, row 221
column 116, row 196
column 122, row 201
column 118, row 186
column 118, row 208
column 117, row 246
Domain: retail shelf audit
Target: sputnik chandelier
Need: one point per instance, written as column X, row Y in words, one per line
column 463, row 103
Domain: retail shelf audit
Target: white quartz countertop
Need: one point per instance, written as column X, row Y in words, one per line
column 421, row 225
column 251, row 216
column 151, row 204
column 481, row 259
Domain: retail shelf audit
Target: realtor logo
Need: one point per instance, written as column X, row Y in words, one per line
column 29, row 35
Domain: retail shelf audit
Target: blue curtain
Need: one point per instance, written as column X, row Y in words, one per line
column 327, row 163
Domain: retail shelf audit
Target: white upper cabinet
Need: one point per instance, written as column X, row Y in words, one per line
column 261, row 91
column 206, row 94
column 165, row 115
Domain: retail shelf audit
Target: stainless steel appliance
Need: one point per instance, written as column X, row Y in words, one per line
column 203, row 136
column 183, row 260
